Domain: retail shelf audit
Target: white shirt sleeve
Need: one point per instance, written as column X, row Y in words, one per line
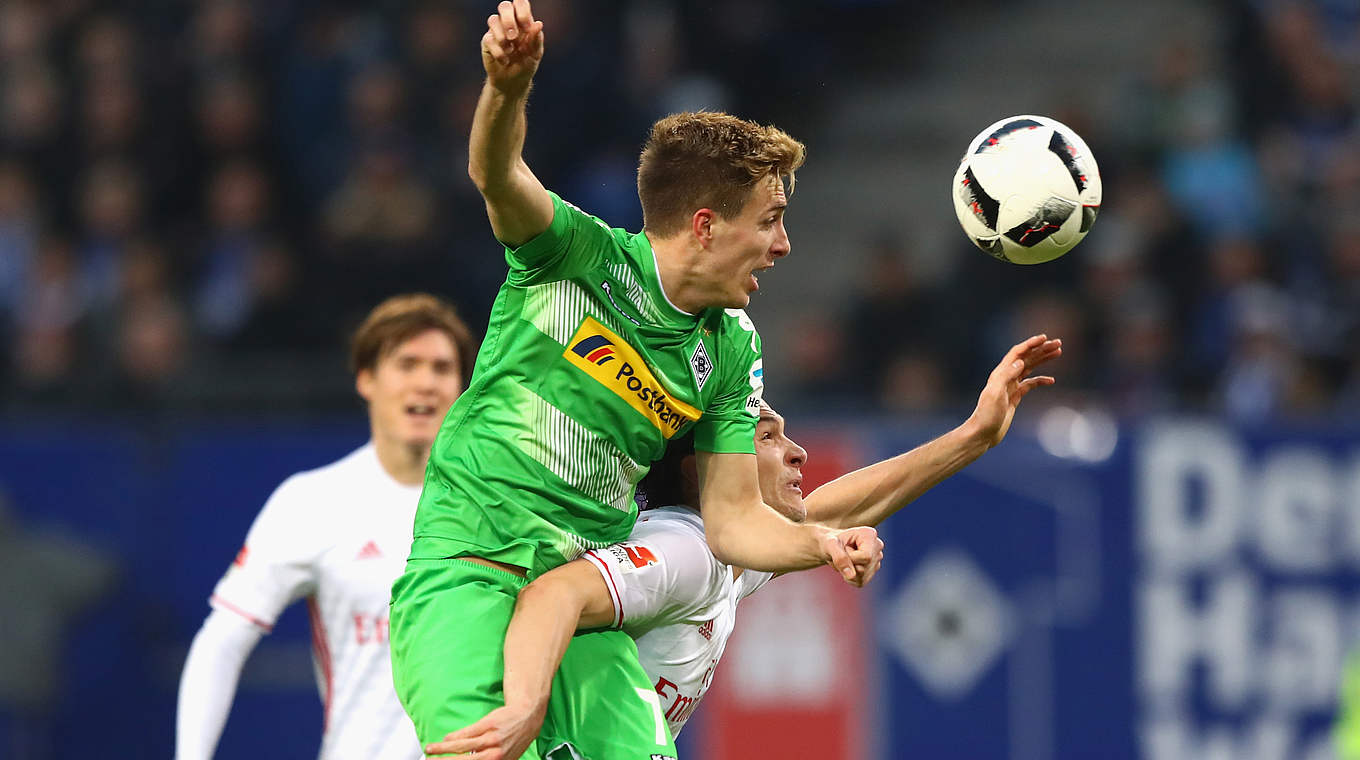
column 277, row 565
column 659, row 576
column 208, row 683
column 752, row 581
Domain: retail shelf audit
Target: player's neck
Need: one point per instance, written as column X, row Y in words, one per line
column 403, row 461
column 680, row 283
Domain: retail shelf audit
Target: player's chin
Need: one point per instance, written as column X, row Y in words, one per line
column 739, row 300
column 421, row 433
column 793, row 509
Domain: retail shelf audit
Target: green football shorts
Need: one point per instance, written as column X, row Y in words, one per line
column 611, row 710
column 448, row 623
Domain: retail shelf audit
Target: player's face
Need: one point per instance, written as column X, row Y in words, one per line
column 412, row 387
column 780, row 461
column 748, row 244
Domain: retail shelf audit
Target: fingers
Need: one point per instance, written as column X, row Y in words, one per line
column 524, row 15
column 534, row 41
column 485, row 750
column 868, row 573
column 507, row 12
column 867, row 562
column 478, row 737
column 513, row 32
column 459, row 747
column 839, row 558
column 1024, row 357
column 866, row 553
column 1042, row 353
column 1014, row 361
column 1031, row 383
column 517, row 19
column 862, row 541
column 1024, row 346
column 493, row 42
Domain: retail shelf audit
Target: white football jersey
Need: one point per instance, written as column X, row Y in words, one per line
column 337, row 535
column 677, row 601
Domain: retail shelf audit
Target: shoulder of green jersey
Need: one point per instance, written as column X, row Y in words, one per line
column 756, row 377
column 592, row 217
column 744, row 322
column 742, row 319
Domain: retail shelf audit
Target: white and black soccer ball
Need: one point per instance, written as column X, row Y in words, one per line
column 1027, row 190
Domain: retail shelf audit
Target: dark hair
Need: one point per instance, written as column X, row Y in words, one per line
column 400, row 318
column 664, row 484
column 711, row 160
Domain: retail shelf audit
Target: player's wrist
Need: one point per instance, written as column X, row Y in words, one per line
column 825, row 537
column 977, row 433
column 528, row 714
column 528, row 704
column 512, row 88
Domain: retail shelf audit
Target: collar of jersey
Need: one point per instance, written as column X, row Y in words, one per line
column 670, row 313
column 369, row 451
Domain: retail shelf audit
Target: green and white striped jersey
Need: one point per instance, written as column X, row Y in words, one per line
column 586, row 372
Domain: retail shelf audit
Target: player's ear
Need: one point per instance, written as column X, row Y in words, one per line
column 363, row 384
column 701, row 226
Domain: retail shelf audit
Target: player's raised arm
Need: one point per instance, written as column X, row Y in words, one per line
column 516, row 202
column 871, row 494
column 547, row 613
column 744, row 532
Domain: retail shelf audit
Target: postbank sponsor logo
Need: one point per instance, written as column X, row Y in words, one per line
column 600, row 353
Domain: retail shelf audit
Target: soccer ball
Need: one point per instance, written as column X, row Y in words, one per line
column 1027, row 190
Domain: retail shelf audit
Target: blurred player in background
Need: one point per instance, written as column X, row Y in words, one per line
column 665, row 588
column 602, row 346
column 337, row 535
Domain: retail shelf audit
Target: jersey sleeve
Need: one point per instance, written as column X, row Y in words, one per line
column 206, row 688
column 752, row 581
column 277, row 565
column 658, row 578
column 574, row 243
column 728, row 425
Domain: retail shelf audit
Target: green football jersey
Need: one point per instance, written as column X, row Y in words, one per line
column 586, row 372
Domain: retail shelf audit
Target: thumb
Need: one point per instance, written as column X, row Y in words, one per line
column 537, row 43
column 839, row 558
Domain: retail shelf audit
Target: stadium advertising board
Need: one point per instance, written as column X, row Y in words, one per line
column 1189, row 593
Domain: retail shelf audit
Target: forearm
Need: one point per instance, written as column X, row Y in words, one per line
column 540, row 630
column 741, row 530
column 208, row 684
column 758, row 538
column 517, row 205
column 870, row 495
column 496, row 146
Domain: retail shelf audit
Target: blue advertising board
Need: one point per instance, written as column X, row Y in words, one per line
column 1188, row 590
column 1190, row 595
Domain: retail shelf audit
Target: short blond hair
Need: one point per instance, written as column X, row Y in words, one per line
column 704, row 159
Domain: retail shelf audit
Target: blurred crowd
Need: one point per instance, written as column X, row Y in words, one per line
column 199, row 198
column 1223, row 275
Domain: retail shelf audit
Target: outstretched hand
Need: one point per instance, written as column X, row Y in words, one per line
column 504, row 734
column 856, row 553
column 512, row 46
column 1009, row 383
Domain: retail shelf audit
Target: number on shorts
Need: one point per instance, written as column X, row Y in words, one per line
column 652, row 698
